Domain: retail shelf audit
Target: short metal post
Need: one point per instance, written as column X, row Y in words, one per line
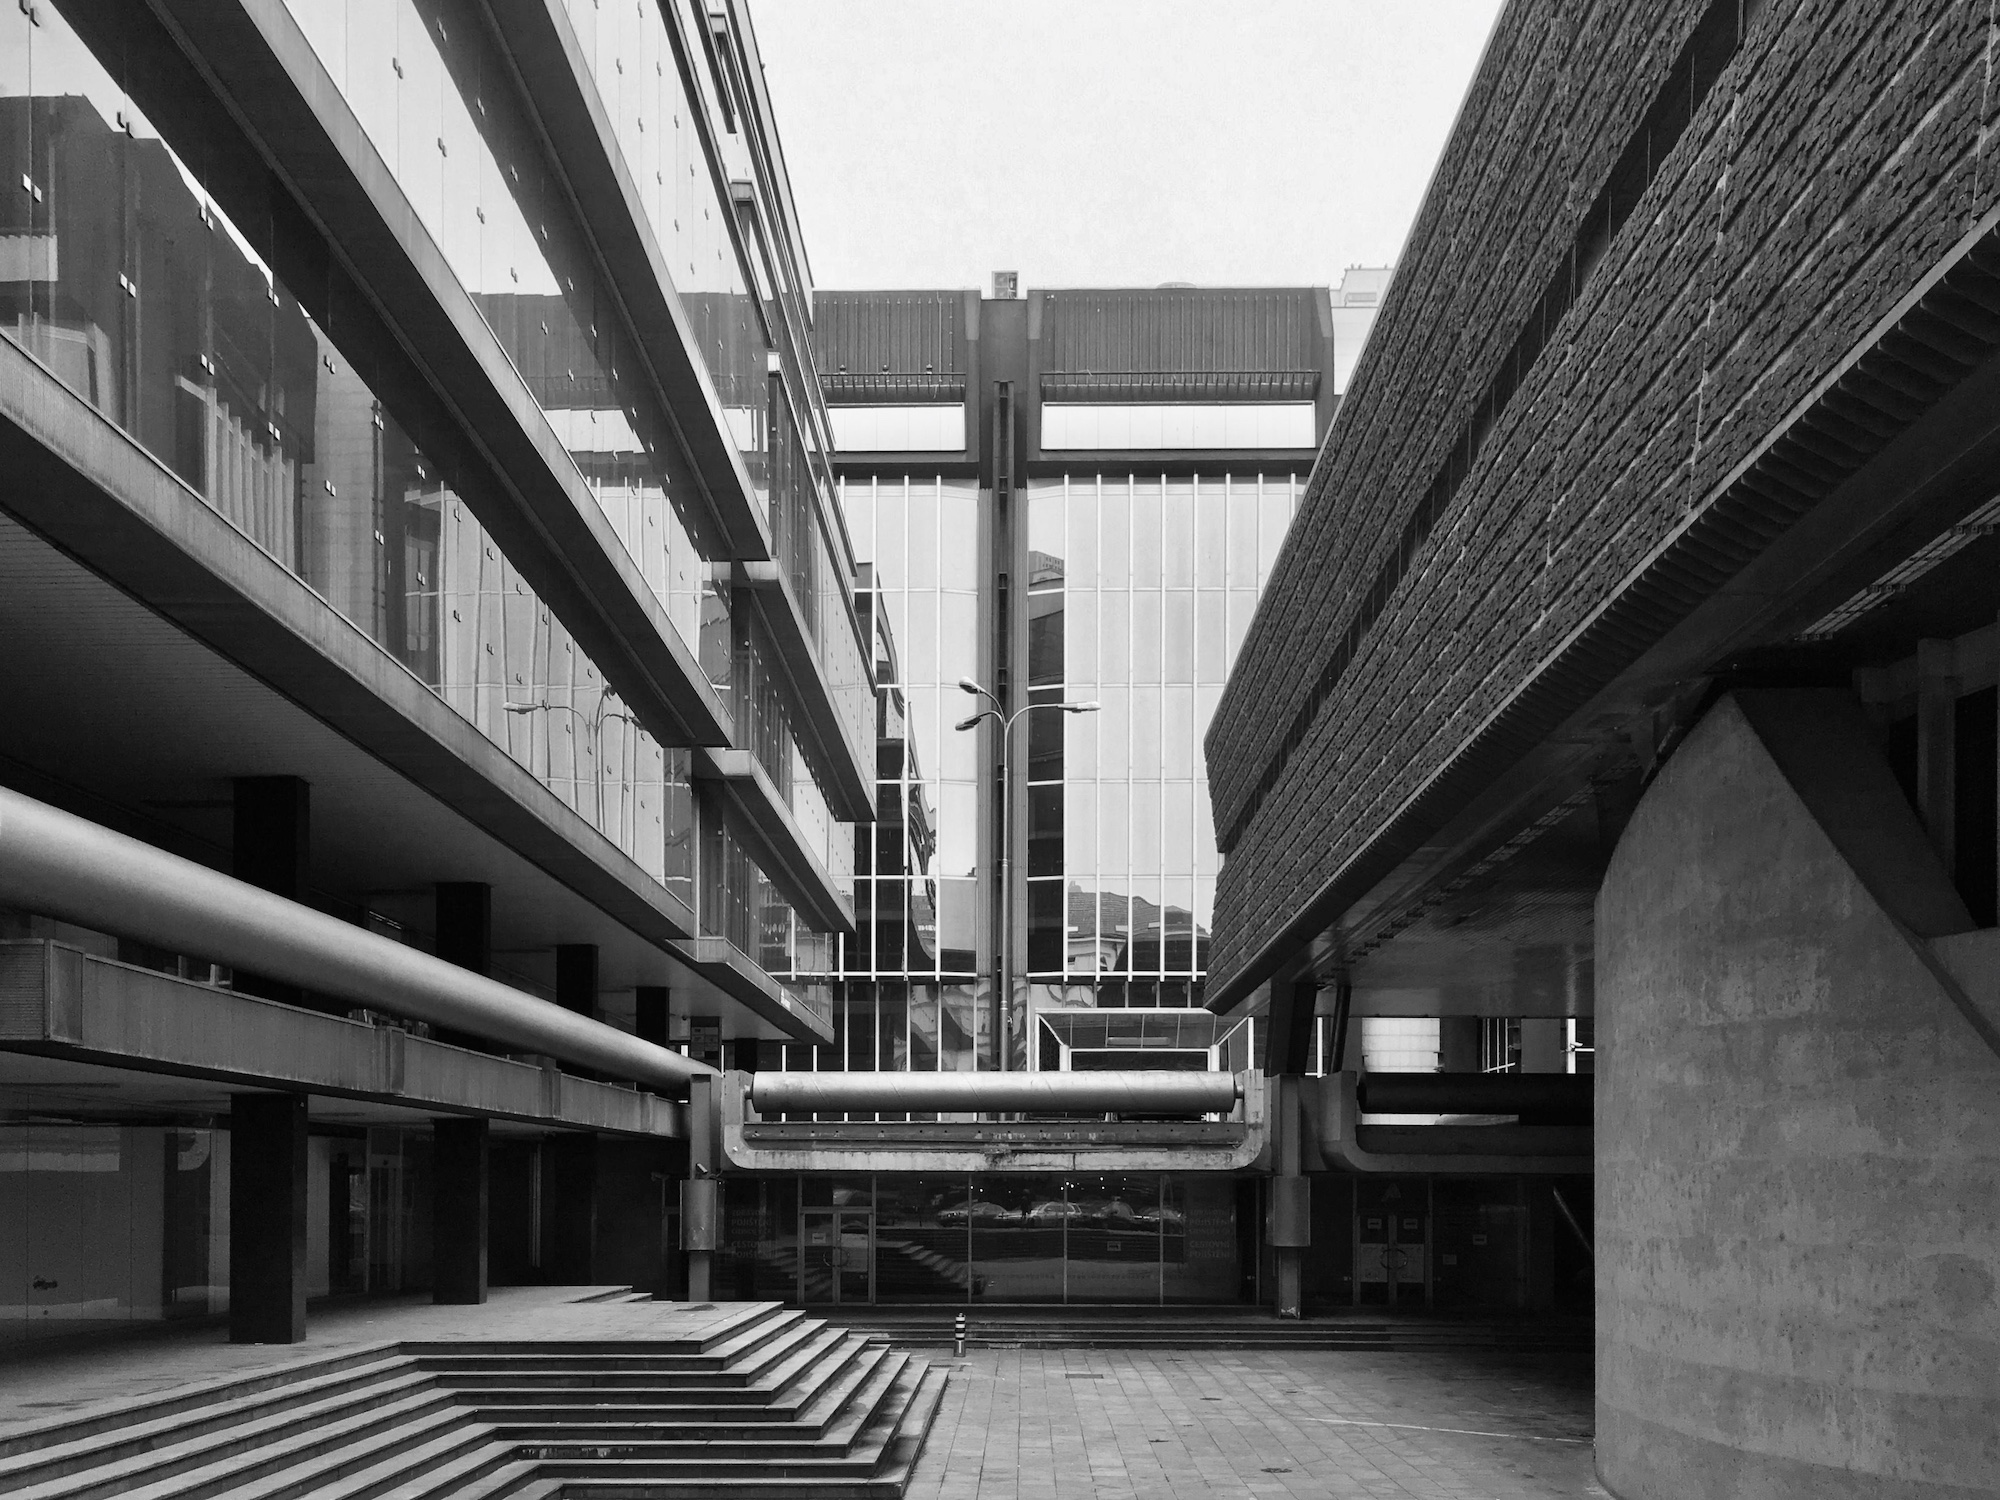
column 958, row 1336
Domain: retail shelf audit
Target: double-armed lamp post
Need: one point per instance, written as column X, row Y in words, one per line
column 1004, row 944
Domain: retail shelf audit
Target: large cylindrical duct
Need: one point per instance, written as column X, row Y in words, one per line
column 1134, row 1092
column 70, row 868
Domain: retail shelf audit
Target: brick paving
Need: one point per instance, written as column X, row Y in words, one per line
column 1106, row 1424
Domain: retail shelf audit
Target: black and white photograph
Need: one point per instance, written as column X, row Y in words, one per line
column 926, row 749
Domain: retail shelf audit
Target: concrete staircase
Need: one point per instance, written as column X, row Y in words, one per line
column 1152, row 1327
column 773, row 1406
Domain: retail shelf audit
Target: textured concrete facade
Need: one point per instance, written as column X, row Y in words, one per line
column 1838, row 157
column 1797, row 1145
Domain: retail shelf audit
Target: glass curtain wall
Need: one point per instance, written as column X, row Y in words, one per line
column 764, row 722
column 106, row 1225
column 435, row 98
column 917, row 984
column 1140, row 589
column 653, row 79
column 1149, row 1238
column 673, row 128
column 134, row 287
column 740, row 903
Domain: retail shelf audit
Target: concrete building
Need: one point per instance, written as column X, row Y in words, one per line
column 436, row 715
column 1627, row 682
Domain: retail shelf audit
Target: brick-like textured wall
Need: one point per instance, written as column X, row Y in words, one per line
column 1840, row 154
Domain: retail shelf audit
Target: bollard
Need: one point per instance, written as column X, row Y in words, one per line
column 958, row 1336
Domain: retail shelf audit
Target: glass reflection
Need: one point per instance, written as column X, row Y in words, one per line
column 163, row 311
column 1019, row 1226
column 1142, row 1238
column 1134, row 611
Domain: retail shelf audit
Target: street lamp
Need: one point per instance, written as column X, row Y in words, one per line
column 595, row 723
column 1004, row 947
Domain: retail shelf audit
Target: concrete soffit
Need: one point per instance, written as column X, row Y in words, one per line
column 96, row 494
column 1896, row 441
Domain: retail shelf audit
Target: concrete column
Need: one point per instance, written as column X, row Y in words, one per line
column 576, row 978
column 267, row 1218
column 576, row 988
column 465, row 925
column 652, row 1013
column 464, row 936
column 459, row 1210
column 701, row 1197
column 1796, row 1134
column 270, row 839
column 1937, row 746
column 1288, row 1221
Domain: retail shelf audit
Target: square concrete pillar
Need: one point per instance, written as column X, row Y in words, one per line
column 271, row 833
column 267, row 1218
column 460, row 1197
column 465, row 925
column 652, row 1013
column 576, row 978
column 270, row 847
column 464, row 936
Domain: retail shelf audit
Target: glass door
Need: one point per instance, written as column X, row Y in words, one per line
column 1392, row 1261
column 836, row 1256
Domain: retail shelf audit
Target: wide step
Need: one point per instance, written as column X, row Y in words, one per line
column 773, row 1404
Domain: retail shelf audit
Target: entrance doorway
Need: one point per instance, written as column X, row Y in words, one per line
column 1392, row 1250
column 836, row 1256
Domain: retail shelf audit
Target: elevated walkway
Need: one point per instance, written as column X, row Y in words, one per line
column 541, row 1394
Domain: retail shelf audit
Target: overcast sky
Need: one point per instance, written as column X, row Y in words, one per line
column 1111, row 142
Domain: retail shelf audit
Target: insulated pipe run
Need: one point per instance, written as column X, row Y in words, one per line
column 1139, row 1092
column 70, row 868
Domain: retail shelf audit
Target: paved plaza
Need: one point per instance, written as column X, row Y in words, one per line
column 1106, row 1424
column 1016, row 1424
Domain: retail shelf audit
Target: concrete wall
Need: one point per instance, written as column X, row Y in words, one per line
column 1798, row 1145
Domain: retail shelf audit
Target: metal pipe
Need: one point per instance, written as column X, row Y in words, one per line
column 70, row 868
column 1565, row 1094
column 1138, row 1092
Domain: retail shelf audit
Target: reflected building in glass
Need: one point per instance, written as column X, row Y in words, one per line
column 1062, row 496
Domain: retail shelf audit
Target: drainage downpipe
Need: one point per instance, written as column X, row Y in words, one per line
column 1135, row 1092
column 70, row 868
